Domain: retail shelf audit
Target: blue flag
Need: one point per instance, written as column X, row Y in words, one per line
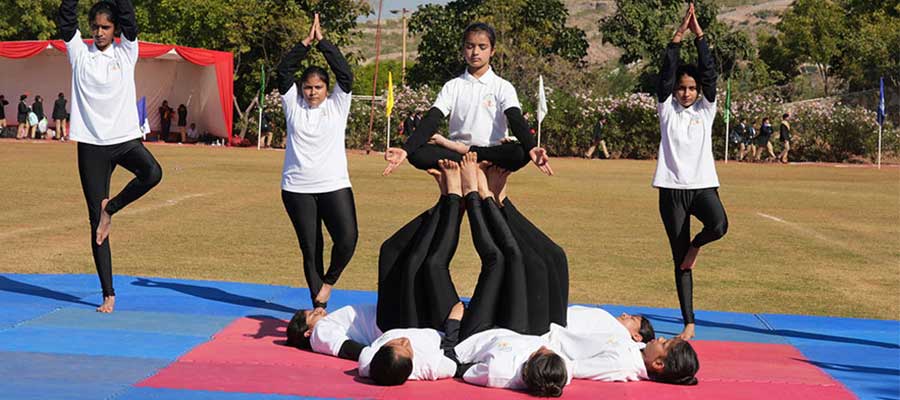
column 881, row 104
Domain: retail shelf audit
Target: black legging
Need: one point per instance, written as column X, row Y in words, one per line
column 676, row 207
column 307, row 212
column 509, row 156
column 415, row 289
column 95, row 166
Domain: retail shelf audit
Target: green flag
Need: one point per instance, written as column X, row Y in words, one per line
column 262, row 86
column 728, row 102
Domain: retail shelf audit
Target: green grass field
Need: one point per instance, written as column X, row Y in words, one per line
column 803, row 239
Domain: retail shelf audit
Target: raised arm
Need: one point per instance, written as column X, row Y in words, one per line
column 338, row 64
column 707, row 69
column 127, row 21
column 671, row 58
column 67, row 19
column 290, row 64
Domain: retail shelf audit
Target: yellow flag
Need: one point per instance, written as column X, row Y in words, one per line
column 390, row 95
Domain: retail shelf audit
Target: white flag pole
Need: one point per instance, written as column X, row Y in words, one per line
column 727, row 139
column 387, row 144
column 880, row 129
column 259, row 129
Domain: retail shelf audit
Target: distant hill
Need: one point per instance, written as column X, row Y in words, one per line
column 752, row 16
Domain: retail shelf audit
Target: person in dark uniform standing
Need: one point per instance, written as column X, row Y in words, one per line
column 165, row 121
column 60, row 116
column 3, row 104
column 785, row 133
column 182, row 122
column 763, row 140
column 22, row 118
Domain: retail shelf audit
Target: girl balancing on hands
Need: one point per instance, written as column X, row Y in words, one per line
column 685, row 170
column 104, row 120
column 480, row 105
column 315, row 185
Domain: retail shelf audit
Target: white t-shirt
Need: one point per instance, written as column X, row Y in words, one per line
column 500, row 355
column 356, row 323
column 315, row 160
column 104, row 105
column 685, row 148
column 599, row 357
column 588, row 320
column 476, row 107
column 429, row 361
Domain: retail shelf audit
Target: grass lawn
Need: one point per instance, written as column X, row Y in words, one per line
column 804, row 239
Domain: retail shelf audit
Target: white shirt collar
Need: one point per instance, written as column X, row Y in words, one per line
column 486, row 78
column 109, row 53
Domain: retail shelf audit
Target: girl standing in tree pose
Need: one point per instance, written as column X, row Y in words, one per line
column 315, row 186
column 104, row 120
column 685, row 170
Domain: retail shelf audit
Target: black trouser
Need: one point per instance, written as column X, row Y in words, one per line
column 95, row 166
column 307, row 212
column 546, row 271
column 415, row 289
column 500, row 294
column 509, row 156
column 676, row 207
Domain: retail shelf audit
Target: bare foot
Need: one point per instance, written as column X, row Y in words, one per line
column 687, row 333
column 457, row 311
column 690, row 259
column 439, row 178
column 496, row 178
column 484, row 191
column 324, row 294
column 468, row 170
column 451, row 176
column 109, row 302
column 105, row 222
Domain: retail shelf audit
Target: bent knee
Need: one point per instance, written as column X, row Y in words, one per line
column 153, row 175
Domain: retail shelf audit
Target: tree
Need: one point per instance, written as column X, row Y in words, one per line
column 525, row 29
column 814, row 32
column 870, row 50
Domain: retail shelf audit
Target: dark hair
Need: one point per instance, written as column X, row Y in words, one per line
column 545, row 374
column 389, row 369
column 480, row 27
column 681, row 364
column 111, row 11
column 315, row 71
column 785, row 115
column 61, row 94
column 295, row 331
column 38, row 98
column 689, row 70
column 765, row 119
column 646, row 331
column 23, row 97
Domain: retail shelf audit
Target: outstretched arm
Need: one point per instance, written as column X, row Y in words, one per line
column 706, row 64
column 291, row 61
column 338, row 64
column 671, row 60
column 67, row 19
column 127, row 20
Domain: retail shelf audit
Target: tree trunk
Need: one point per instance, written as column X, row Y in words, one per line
column 245, row 115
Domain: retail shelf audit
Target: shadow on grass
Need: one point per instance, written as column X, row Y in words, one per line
column 9, row 285
column 788, row 333
column 214, row 294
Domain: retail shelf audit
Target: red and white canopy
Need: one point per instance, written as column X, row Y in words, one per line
column 165, row 72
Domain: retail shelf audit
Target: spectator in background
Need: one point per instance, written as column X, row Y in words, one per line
column 597, row 139
column 785, row 133
column 38, row 109
column 193, row 136
column 59, row 117
column 750, row 141
column 3, row 104
column 266, row 135
column 22, row 117
column 762, row 141
column 739, row 138
column 182, row 122
column 165, row 121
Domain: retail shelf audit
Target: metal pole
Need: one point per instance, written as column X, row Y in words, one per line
column 403, row 68
column 374, row 78
column 726, row 139
column 880, row 128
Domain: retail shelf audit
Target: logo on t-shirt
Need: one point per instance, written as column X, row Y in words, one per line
column 488, row 101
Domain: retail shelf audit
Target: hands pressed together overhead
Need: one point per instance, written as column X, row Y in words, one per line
column 688, row 23
column 315, row 32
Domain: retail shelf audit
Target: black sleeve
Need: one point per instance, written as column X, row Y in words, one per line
column 424, row 131
column 67, row 19
column 350, row 350
column 519, row 128
column 667, row 72
column 783, row 130
column 289, row 66
column 706, row 64
column 127, row 21
column 462, row 368
column 338, row 64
